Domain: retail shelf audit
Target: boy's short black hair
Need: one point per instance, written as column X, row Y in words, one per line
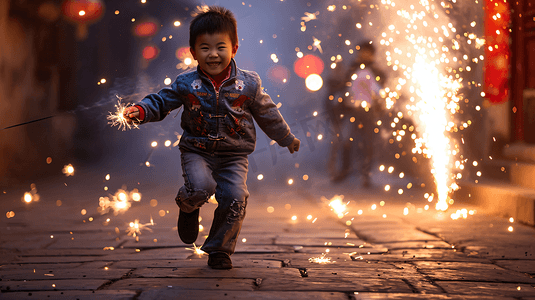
column 214, row 19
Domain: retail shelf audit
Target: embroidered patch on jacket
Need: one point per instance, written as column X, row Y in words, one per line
column 196, row 84
column 201, row 94
column 238, row 103
column 239, row 85
column 195, row 104
column 232, row 95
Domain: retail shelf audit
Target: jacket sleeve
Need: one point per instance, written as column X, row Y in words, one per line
column 268, row 117
column 158, row 105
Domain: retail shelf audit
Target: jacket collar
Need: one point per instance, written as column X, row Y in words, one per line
column 233, row 69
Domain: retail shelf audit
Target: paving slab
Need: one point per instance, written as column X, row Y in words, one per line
column 55, row 259
column 163, row 263
column 174, row 293
column 150, row 253
column 51, row 285
column 207, row 272
column 200, row 284
column 26, row 242
column 247, row 248
column 410, row 276
column 63, row 252
column 434, row 244
column 455, row 271
column 426, row 296
column 488, row 288
column 334, row 284
column 520, row 265
column 45, row 266
column 60, row 274
column 80, row 295
column 411, row 255
column 97, row 240
column 381, row 236
column 321, row 242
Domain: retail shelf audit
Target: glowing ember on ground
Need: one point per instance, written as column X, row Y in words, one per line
column 337, row 205
column 32, row 195
column 118, row 119
column 27, row 197
column 196, row 250
column 322, row 259
column 462, row 213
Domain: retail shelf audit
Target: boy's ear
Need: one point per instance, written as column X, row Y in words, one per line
column 192, row 51
column 234, row 50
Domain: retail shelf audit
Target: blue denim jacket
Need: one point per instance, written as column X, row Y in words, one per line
column 219, row 122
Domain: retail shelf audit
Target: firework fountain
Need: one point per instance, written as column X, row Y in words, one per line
column 430, row 59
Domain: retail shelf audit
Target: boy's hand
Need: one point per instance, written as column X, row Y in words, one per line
column 294, row 146
column 131, row 114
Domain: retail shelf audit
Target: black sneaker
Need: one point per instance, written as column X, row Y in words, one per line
column 219, row 260
column 188, row 226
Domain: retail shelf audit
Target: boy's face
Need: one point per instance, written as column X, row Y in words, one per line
column 213, row 52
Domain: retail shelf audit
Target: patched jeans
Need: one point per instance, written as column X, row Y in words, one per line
column 225, row 176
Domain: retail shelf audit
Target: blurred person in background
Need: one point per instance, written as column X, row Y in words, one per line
column 353, row 106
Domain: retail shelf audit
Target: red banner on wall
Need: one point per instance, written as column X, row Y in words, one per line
column 497, row 51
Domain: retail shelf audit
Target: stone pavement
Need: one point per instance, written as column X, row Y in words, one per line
column 292, row 246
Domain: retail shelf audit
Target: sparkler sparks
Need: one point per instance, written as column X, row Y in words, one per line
column 196, row 251
column 337, row 205
column 68, row 170
column 322, row 259
column 119, row 203
column 310, row 16
column 31, row 196
column 135, row 227
column 118, row 119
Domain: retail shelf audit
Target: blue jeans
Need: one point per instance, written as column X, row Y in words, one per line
column 226, row 176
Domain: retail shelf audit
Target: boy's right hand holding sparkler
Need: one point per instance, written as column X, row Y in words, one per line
column 132, row 114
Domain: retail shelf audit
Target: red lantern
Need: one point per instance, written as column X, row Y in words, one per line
column 146, row 29
column 182, row 53
column 150, row 52
column 82, row 13
column 497, row 51
column 309, row 64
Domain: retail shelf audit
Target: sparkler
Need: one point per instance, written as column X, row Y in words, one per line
column 118, row 119
column 24, row 123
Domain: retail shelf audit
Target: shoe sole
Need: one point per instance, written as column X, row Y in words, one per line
column 188, row 226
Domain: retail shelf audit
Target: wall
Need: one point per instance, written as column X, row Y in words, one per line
column 30, row 88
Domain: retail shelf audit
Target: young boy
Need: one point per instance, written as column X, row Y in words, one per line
column 220, row 102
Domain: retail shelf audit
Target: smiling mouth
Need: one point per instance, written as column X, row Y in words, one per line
column 213, row 64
